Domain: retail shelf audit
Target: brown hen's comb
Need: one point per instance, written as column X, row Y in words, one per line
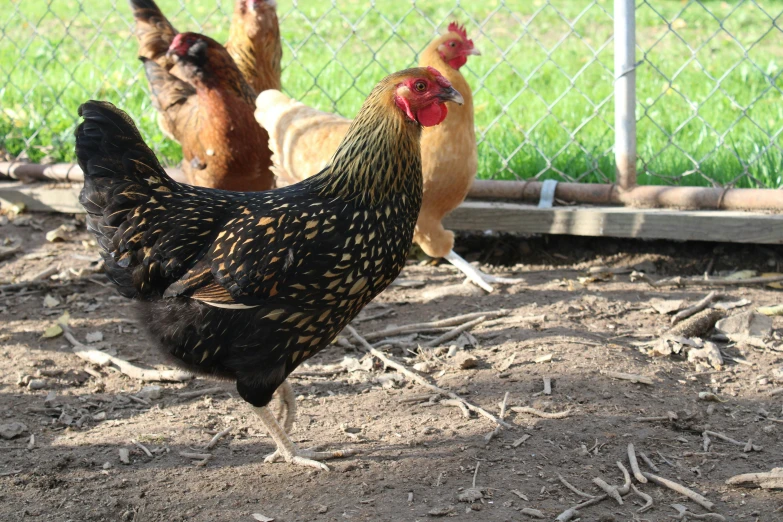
column 454, row 27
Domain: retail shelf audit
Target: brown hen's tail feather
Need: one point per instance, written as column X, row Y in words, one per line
column 153, row 30
column 119, row 172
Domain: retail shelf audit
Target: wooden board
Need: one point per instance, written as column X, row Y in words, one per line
column 695, row 225
column 691, row 225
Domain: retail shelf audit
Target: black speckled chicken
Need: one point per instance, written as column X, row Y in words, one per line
column 250, row 285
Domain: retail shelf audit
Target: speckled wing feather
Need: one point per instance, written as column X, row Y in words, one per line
column 163, row 238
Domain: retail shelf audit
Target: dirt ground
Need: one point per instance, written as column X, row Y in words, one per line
column 417, row 456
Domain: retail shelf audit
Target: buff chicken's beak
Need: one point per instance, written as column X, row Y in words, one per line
column 451, row 94
column 474, row 52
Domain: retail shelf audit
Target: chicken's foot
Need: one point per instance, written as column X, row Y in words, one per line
column 477, row 276
column 288, row 451
column 286, row 411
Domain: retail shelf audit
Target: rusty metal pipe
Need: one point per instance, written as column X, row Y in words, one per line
column 643, row 196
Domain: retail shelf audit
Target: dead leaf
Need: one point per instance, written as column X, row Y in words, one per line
column 771, row 310
column 729, row 305
column 53, row 331
column 777, row 285
column 471, row 495
column 50, row 301
column 668, row 306
column 61, row 233
column 741, row 274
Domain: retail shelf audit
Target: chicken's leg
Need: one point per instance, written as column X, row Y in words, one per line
column 286, row 449
column 286, row 410
column 476, row 275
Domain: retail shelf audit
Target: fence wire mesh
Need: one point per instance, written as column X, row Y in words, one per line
column 710, row 105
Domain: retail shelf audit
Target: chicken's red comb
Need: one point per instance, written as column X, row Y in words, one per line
column 442, row 80
column 454, row 27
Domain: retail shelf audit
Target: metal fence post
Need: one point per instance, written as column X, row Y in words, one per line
column 625, row 92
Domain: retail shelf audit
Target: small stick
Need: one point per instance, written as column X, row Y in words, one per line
column 626, row 487
column 44, row 274
column 547, row 386
column 629, row 377
column 475, row 473
column 31, row 443
column 570, row 513
column 655, row 419
column 326, row 373
column 695, row 309
column 644, row 496
column 535, row 513
column 458, row 404
column 611, row 491
column 488, row 436
column 680, row 281
column 454, row 333
column 637, row 473
column 142, row 447
column 542, row 414
column 134, row 372
column 521, row 440
column 682, row 490
column 211, row 444
column 191, row 455
column 574, row 488
column 767, row 480
column 419, row 379
column 776, row 391
column 137, row 399
column 650, row 464
column 198, row 393
column 452, row 321
column 726, row 438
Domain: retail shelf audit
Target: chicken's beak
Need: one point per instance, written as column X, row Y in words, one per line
column 451, row 94
column 474, row 52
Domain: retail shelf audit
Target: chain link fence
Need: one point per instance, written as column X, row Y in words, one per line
column 708, row 86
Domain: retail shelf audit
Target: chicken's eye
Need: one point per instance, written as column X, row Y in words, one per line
column 453, row 44
column 419, row 86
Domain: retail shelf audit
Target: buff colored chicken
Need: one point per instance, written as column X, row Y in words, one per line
column 302, row 140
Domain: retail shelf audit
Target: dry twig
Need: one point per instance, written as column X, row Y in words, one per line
column 198, row 393
column 682, row 490
column 219, row 435
column 418, row 327
column 574, row 488
column 455, row 332
column 419, row 379
column 103, row 359
column 637, row 473
column 644, row 496
column 628, row 377
column 650, row 463
column 698, row 307
column 542, row 414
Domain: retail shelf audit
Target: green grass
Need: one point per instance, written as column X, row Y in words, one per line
column 55, row 54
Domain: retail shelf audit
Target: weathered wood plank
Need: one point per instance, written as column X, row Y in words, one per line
column 704, row 225
column 686, row 225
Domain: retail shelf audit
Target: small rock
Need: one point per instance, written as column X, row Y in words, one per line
column 151, row 392
column 749, row 327
column 321, row 508
column 94, row 337
column 11, row 430
column 465, row 361
column 532, row 513
column 440, row 511
column 107, row 465
column 424, row 367
column 470, row 495
column 452, row 350
column 124, row 456
column 36, row 384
